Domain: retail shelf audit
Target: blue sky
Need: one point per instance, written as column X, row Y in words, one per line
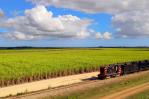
column 102, row 22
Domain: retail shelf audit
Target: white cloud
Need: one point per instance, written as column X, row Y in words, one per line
column 95, row 6
column 89, row 6
column 19, row 36
column 98, row 36
column 130, row 17
column 39, row 23
column 105, row 36
column 132, row 24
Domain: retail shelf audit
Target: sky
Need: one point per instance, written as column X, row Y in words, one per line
column 74, row 23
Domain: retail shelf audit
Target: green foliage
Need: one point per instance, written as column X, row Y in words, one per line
column 15, row 64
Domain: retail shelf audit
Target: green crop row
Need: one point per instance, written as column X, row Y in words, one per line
column 17, row 66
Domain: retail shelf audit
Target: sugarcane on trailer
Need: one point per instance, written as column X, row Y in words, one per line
column 115, row 70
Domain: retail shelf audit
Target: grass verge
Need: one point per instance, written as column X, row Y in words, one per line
column 98, row 92
column 142, row 95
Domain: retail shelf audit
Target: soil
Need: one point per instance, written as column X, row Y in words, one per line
column 128, row 92
column 45, row 84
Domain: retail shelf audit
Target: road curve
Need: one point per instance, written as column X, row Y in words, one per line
column 128, row 92
column 45, row 84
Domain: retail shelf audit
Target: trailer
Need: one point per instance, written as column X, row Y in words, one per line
column 114, row 70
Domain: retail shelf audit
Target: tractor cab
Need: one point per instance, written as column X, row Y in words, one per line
column 110, row 71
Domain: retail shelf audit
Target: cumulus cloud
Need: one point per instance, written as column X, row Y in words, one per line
column 105, row 36
column 20, row 36
column 98, row 35
column 132, row 24
column 130, row 17
column 95, row 6
column 39, row 23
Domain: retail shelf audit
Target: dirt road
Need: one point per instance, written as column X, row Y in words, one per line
column 45, row 84
column 128, row 92
column 82, row 86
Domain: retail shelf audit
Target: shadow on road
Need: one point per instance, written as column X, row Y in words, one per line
column 91, row 78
